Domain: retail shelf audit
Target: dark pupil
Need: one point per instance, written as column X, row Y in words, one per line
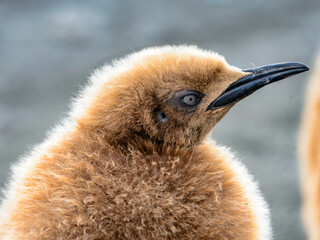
column 190, row 99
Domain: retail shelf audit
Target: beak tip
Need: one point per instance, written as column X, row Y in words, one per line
column 305, row 67
column 300, row 66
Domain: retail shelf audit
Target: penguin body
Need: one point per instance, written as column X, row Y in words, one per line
column 133, row 160
column 141, row 197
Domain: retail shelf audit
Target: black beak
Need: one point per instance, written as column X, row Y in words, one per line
column 258, row 78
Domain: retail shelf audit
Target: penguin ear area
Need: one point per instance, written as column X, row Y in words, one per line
column 162, row 117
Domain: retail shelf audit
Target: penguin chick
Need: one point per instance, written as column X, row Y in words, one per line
column 133, row 162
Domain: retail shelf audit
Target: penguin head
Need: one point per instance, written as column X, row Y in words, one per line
column 169, row 95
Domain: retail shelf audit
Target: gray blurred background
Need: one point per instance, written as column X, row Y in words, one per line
column 48, row 48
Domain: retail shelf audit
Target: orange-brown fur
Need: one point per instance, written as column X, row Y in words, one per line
column 109, row 195
column 120, row 174
column 310, row 156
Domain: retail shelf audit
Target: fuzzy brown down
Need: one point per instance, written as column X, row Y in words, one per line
column 121, row 174
column 310, row 156
column 95, row 192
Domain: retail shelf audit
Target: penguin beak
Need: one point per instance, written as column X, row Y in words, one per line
column 257, row 78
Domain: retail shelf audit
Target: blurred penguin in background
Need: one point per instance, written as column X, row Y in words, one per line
column 309, row 147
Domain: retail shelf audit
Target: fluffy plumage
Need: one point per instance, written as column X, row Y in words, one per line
column 114, row 171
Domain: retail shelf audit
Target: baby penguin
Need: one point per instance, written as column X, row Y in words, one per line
column 133, row 160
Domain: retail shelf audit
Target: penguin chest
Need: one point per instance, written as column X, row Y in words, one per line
column 182, row 198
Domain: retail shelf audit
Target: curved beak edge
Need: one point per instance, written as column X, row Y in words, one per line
column 258, row 78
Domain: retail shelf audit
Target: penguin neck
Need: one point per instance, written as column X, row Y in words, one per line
column 149, row 146
column 135, row 142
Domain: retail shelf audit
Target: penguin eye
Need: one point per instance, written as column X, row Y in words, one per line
column 191, row 99
column 187, row 99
